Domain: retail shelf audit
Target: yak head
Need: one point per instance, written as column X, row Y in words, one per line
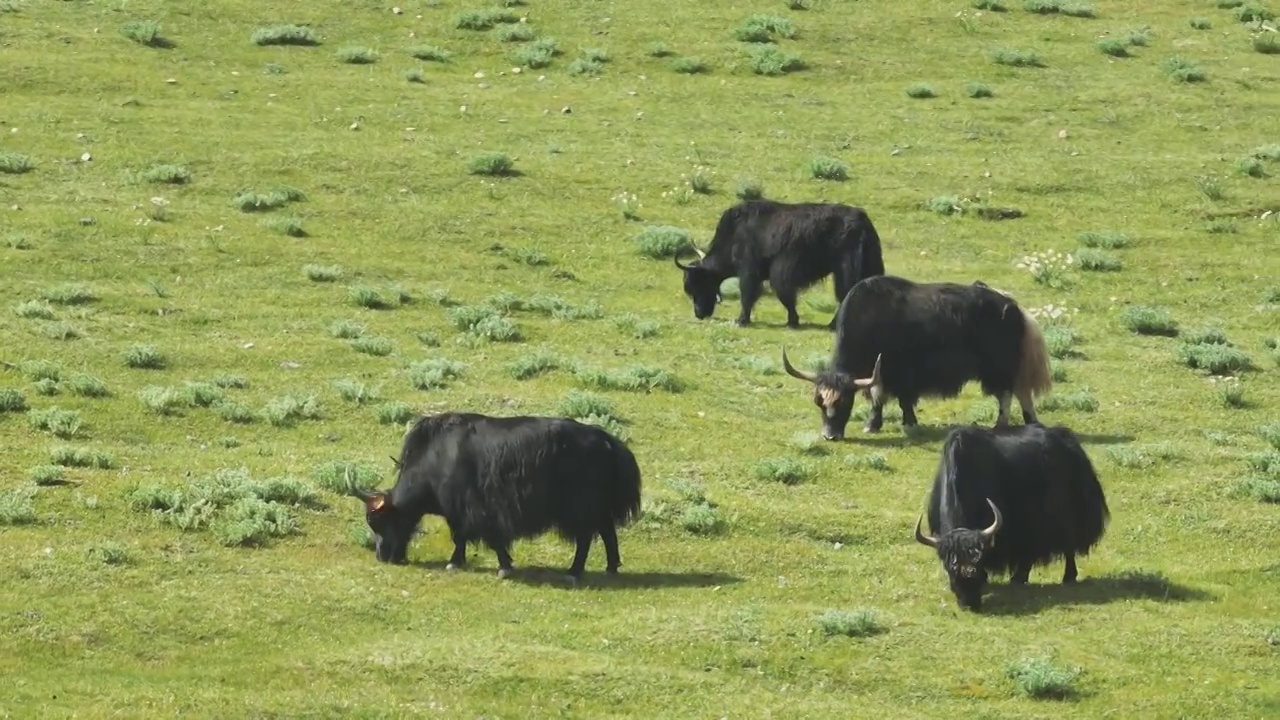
column 834, row 392
column 392, row 529
column 961, row 552
column 701, row 285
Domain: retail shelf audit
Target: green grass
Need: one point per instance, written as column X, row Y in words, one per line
column 773, row 573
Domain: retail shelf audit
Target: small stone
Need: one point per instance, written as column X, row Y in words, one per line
column 247, row 346
column 482, row 86
column 289, row 365
column 172, row 81
column 462, row 109
column 1062, row 134
column 86, row 157
column 86, row 221
column 632, row 93
column 397, row 11
column 566, row 110
column 236, row 73
column 540, row 79
column 516, row 70
column 478, row 75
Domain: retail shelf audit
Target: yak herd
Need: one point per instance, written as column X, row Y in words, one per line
column 1004, row 499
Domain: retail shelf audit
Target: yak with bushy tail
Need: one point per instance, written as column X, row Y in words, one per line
column 907, row 340
column 792, row 245
column 1008, row 499
column 498, row 479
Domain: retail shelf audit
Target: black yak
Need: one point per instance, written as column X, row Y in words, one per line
column 498, row 479
column 902, row 339
column 1007, row 499
column 792, row 245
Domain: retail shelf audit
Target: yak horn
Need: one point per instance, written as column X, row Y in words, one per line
column 923, row 539
column 801, row 374
column 701, row 255
column 991, row 531
column 874, row 380
column 682, row 267
column 363, row 494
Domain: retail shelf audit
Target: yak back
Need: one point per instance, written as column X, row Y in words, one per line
column 511, row 477
column 1049, row 496
column 935, row 337
column 807, row 236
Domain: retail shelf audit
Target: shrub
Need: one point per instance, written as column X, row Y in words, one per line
column 236, row 413
column 851, row 623
column 1098, row 261
column 1103, row 240
column 251, row 201
column 395, row 413
column 1144, row 320
column 1081, row 400
column 144, row 32
column 920, row 91
column 17, row 506
column 828, row 168
column 430, row 53
column 108, row 553
column 690, row 66
column 290, row 226
column 772, row 62
column 144, row 357
column 12, row 401
column 635, row 326
column 1016, row 58
column 12, row 163
column 434, row 373
column 1250, row 13
column 1214, row 358
column 57, row 422
column 765, row 29
column 322, row 273
column 484, row 19
column 663, row 241
column 167, row 174
column 285, row 35
column 1231, row 395
column 357, row 55
column 1115, row 47
column 376, row 346
column 493, row 164
column 1200, row 23
column 287, row 410
column 1041, row 679
column 534, row 364
column 46, row 475
column 343, row 478
column 977, row 90
column 34, row 310
column 1266, row 44
column 70, row 294
column 162, row 400
column 1183, row 70
column 516, row 33
column 80, row 457
column 578, row 404
column 367, row 297
column 783, row 470
column 537, row 54
column 353, row 390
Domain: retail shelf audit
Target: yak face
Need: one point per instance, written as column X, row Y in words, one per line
column 391, row 529
column 960, row 551
column 834, row 393
column 703, row 287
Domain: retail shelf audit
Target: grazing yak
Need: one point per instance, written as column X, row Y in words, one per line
column 497, row 479
column 792, row 245
column 1045, row 502
column 903, row 339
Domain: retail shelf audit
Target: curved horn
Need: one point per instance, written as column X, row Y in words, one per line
column 682, row 267
column 701, row 255
column 362, row 494
column 801, row 374
column 874, row 380
column 991, row 531
column 925, row 539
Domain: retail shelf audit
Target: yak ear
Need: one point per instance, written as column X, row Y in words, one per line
column 377, row 502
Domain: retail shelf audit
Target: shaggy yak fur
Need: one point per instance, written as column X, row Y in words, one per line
column 903, row 339
column 792, row 245
column 498, row 479
column 1007, row 499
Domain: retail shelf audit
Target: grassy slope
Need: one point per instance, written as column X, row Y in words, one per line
column 700, row 625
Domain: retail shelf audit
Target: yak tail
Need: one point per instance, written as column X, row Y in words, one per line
column 624, row 505
column 1034, row 375
column 872, row 256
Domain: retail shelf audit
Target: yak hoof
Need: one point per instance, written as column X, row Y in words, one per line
column 612, row 570
column 870, row 429
column 571, row 579
column 453, row 566
column 504, row 573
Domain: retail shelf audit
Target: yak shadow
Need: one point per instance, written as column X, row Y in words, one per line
column 541, row 575
column 1006, row 599
column 936, row 433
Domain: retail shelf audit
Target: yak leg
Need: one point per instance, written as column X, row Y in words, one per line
column 749, row 289
column 908, row 407
column 788, row 300
column 1021, row 574
column 609, row 535
column 1002, row 418
column 1070, row 574
column 501, row 548
column 459, row 558
column 1028, row 404
column 580, row 555
column 876, row 421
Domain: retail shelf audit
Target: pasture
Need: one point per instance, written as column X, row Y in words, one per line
column 236, row 257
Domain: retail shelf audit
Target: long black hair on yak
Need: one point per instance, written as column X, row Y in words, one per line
column 792, row 245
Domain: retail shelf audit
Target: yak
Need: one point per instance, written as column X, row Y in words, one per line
column 792, row 245
column 1044, row 497
column 498, row 479
column 903, row 339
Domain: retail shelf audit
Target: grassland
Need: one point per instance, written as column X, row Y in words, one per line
column 240, row 245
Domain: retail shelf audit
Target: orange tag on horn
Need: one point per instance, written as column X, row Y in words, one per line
column 376, row 502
